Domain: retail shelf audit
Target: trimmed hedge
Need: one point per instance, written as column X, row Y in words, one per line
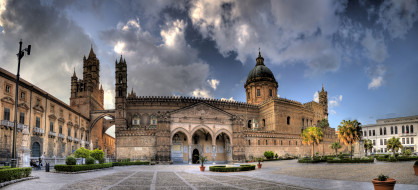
column 4, row 167
column 231, row 169
column 130, row 163
column 398, row 159
column 354, row 160
column 8, row 174
column 76, row 168
column 310, row 161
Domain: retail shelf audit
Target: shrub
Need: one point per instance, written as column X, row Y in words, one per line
column 7, row 174
column 407, row 152
column 82, row 153
column 382, row 177
column 4, row 167
column 416, row 163
column 231, row 169
column 70, row 160
column 97, row 154
column 130, row 163
column 124, row 160
column 102, row 160
column 336, row 158
column 89, row 160
column 354, row 160
column 309, row 161
column 269, row 154
column 276, row 156
column 75, row 168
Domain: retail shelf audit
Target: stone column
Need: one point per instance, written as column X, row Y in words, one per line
column 190, row 154
column 214, row 153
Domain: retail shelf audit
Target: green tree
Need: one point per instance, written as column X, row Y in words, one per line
column 82, row 153
column 368, row 145
column 349, row 132
column 97, row 154
column 323, row 124
column 335, row 146
column 269, row 154
column 312, row 136
column 394, row 144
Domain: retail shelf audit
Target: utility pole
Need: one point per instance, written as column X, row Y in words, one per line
column 19, row 57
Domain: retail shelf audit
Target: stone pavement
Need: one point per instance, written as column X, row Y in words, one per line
column 189, row 177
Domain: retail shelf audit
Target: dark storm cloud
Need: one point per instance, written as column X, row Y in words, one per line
column 159, row 65
column 58, row 45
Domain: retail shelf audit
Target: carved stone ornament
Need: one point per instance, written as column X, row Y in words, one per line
column 52, row 117
column 8, row 100
column 23, row 106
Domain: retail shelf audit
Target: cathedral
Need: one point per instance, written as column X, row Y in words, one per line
column 179, row 129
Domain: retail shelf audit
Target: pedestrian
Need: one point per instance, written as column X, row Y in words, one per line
column 40, row 163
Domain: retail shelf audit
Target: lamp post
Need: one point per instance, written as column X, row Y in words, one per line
column 19, row 57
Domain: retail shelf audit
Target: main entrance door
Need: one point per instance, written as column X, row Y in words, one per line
column 36, row 150
column 195, row 158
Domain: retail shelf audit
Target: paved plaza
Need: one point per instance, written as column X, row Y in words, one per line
column 274, row 175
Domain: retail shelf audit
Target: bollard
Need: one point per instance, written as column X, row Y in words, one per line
column 47, row 167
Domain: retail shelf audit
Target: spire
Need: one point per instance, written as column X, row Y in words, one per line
column 92, row 54
column 259, row 60
column 101, row 87
column 322, row 87
column 74, row 75
column 121, row 60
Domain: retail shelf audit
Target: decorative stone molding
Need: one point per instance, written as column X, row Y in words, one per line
column 8, row 100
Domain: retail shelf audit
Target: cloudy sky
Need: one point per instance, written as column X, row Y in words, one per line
column 364, row 53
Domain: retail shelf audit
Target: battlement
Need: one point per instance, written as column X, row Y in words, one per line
column 189, row 100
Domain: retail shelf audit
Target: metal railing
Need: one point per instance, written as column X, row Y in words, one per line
column 38, row 130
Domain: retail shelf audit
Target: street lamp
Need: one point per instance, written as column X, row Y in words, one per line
column 19, row 57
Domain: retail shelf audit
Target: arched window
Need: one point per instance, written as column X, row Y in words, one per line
column 396, row 129
column 153, row 120
column 407, row 129
column 381, row 131
column 384, row 131
column 266, row 142
column 264, row 122
column 403, row 129
column 60, row 130
column 288, row 120
column 412, row 129
column 120, row 79
column 249, row 124
column 391, row 130
column 303, row 122
column 249, row 142
column 135, row 120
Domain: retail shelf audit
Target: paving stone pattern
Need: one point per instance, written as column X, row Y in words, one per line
column 164, row 180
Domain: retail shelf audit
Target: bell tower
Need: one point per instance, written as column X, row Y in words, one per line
column 323, row 100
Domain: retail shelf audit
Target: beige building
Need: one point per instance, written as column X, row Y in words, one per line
column 48, row 127
column 180, row 129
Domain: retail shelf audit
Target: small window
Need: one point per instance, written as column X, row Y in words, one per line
column 266, row 142
column 381, row 133
column 60, row 129
column 22, row 95
column 270, row 92
column 403, row 129
column 381, row 141
column 258, row 92
column 407, row 140
column 61, row 113
column 391, row 130
column 75, row 133
column 38, row 122
column 384, row 131
column 63, row 148
column 249, row 142
column 81, row 135
column 249, row 124
column 69, row 131
column 6, row 115
column 288, row 120
column 385, row 141
column 403, row 140
column 412, row 140
column 22, row 118
column 374, row 132
column 296, row 143
column 8, row 88
column 407, row 129
column 374, row 142
column 51, row 126
column 52, row 108
column 264, row 122
column 396, row 129
column 38, row 102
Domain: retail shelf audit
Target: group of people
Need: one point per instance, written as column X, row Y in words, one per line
column 34, row 164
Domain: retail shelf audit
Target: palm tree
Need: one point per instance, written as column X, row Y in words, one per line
column 368, row 145
column 349, row 132
column 312, row 136
column 394, row 144
column 335, row 146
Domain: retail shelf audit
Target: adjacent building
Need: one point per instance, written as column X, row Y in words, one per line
column 404, row 128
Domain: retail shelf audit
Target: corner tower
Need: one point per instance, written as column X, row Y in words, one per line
column 261, row 84
column 323, row 100
column 121, row 86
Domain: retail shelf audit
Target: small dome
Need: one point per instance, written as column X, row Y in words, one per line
column 260, row 72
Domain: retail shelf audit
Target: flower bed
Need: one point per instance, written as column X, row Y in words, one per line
column 130, row 163
column 7, row 174
column 231, row 169
column 76, row 168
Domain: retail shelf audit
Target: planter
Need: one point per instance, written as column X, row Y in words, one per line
column 202, row 168
column 389, row 184
column 416, row 169
column 259, row 166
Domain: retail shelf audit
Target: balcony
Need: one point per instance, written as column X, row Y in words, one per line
column 86, row 143
column 52, row 134
column 38, row 131
column 7, row 123
column 69, row 138
column 76, row 140
column 61, row 136
column 408, row 134
column 21, row 126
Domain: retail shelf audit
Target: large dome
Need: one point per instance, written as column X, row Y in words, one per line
column 260, row 72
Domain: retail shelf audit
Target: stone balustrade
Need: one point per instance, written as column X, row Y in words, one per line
column 69, row 138
column 21, row 126
column 7, row 123
column 76, row 140
column 38, row 131
column 61, row 136
column 52, row 134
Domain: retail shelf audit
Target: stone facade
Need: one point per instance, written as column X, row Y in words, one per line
column 48, row 127
column 179, row 129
